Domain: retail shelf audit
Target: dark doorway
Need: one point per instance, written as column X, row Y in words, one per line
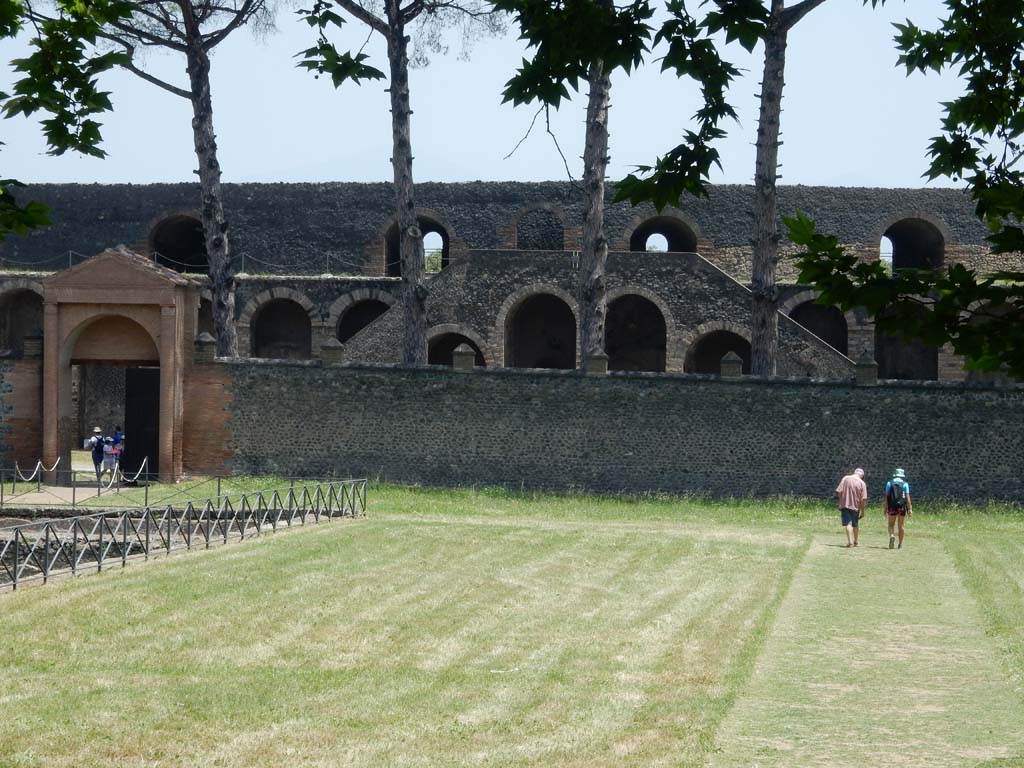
column 916, row 244
column 358, row 316
column 705, row 355
column 541, row 333
column 635, row 335
column 281, row 330
column 179, row 243
column 141, row 420
column 827, row 323
column 441, row 351
column 913, row 360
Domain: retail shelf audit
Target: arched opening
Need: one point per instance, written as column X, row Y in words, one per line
column 541, row 333
column 706, row 353
column 635, row 337
column 885, row 253
column 675, row 234
column 914, row 244
column 434, row 259
column 914, row 360
column 205, row 320
column 441, row 348
column 116, row 365
column 435, row 241
column 281, row 330
column 540, row 230
column 178, row 243
column 358, row 316
column 656, row 243
column 825, row 322
column 21, row 316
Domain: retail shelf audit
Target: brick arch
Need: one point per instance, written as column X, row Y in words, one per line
column 278, row 292
column 459, row 328
column 810, row 294
column 347, row 300
column 20, row 284
column 689, row 338
column 376, row 248
column 510, row 234
column 931, row 218
column 496, row 350
column 622, row 243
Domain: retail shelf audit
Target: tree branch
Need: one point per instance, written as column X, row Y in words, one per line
column 241, row 16
column 135, row 70
column 364, row 16
column 790, row 16
column 147, row 38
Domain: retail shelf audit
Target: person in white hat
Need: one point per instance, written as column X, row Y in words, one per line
column 96, row 447
column 852, row 493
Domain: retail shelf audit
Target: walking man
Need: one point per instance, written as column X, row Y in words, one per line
column 897, row 505
column 852, row 493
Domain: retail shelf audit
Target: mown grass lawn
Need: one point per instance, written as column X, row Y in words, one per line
column 460, row 628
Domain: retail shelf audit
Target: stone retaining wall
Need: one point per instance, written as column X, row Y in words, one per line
column 632, row 433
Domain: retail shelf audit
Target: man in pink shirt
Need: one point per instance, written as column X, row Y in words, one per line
column 853, row 496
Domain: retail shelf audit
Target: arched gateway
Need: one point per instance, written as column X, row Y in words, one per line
column 120, row 309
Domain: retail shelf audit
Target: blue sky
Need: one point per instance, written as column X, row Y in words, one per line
column 850, row 116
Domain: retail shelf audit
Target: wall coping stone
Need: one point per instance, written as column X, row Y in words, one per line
column 649, row 376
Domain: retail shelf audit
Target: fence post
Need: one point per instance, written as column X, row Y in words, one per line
column 99, row 557
column 46, row 554
column 1, row 489
column 124, row 538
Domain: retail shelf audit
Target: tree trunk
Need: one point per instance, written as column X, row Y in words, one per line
column 764, row 331
column 413, row 291
column 215, row 226
column 593, row 293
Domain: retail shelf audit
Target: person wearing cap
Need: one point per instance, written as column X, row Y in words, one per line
column 96, row 444
column 852, row 493
column 897, row 505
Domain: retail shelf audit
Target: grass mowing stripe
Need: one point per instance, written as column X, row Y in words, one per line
column 876, row 653
column 991, row 570
column 394, row 642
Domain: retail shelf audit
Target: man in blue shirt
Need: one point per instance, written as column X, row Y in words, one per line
column 897, row 505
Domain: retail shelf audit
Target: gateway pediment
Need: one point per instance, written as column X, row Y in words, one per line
column 117, row 274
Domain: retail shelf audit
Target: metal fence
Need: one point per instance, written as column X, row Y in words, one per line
column 39, row 551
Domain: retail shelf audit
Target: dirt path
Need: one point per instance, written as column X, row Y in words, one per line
column 878, row 658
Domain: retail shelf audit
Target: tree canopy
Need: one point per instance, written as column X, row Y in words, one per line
column 980, row 315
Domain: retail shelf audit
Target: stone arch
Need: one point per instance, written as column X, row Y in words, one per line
column 698, row 358
column 301, row 346
column 443, row 339
column 429, row 221
column 346, row 301
column 178, row 242
column 804, row 297
column 499, row 348
column 918, row 240
column 21, row 315
column 669, row 357
column 539, row 227
column 278, row 292
column 680, row 232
